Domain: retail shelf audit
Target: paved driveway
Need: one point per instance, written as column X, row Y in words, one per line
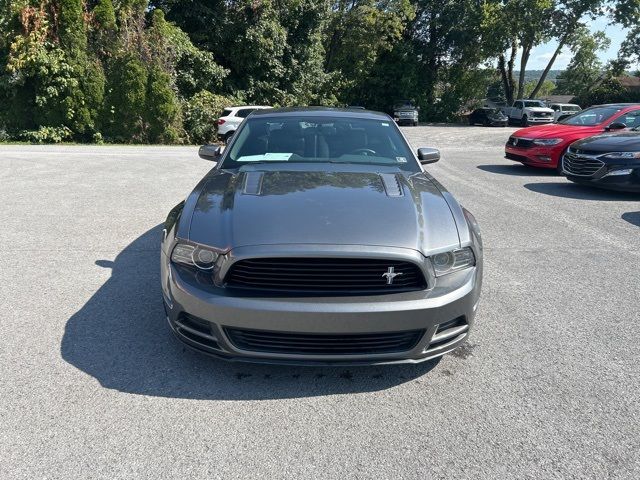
column 92, row 385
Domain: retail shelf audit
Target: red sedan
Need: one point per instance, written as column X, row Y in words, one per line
column 544, row 145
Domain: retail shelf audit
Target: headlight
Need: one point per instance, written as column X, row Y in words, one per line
column 453, row 261
column 547, row 141
column 621, row 155
column 193, row 255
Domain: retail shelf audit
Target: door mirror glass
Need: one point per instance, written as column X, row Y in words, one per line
column 211, row 152
column 616, row 126
column 428, row 155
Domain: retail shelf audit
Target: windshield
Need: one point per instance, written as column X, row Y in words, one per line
column 534, row 103
column 320, row 140
column 591, row 116
column 571, row 108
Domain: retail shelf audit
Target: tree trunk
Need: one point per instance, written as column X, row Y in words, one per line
column 545, row 72
column 526, row 52
column 506, row 72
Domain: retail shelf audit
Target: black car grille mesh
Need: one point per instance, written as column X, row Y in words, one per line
column 323, row 344
column 581, row 166
column 325, row 276
column 519, row 142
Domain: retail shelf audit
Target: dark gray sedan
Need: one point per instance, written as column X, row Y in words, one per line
column 318, row 238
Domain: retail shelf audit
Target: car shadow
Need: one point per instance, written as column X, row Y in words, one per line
column 632, row 217
column 120, row 337
column 518, row 170
column 581, row 192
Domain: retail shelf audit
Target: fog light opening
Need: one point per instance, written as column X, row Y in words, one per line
column 615, row 173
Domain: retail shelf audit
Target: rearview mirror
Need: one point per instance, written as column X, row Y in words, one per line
column 428, row 155
column 616, row 126
column 211, row 152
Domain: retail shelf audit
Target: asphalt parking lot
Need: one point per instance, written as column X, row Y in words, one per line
column 92, row 384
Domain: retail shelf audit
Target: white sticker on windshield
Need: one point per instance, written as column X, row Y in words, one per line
column 266, row 157
column 384, row 124
column 401, row 159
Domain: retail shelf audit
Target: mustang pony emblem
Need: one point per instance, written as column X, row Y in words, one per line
column 390, row 274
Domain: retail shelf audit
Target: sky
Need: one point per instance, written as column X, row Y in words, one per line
column 541, row 54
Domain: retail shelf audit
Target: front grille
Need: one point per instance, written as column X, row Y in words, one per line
column 581, row 166
column 520, row 142
column 542, row 114
column 323, row 344
column 325, row 276
column 517, row 158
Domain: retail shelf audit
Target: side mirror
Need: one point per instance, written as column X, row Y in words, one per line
column 615, row 126
column 428, row 155
column 211, row 152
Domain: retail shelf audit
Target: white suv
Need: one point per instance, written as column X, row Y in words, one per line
column 232, row 117
column 562, row 110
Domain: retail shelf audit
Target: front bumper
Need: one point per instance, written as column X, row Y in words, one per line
column 453, row 300
column 543, row 157
column 406, row 121
column 540, row 120
column 625, row 183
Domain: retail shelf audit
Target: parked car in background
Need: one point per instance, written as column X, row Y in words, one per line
column 406, row 114
column 232, row 117
column 488, row 117
column 563, row 110
column 608, row 161
column 320, row 237
column 544, row 145
column 528, row 112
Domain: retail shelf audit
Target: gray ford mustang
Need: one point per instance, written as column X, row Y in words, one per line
column 318, row 238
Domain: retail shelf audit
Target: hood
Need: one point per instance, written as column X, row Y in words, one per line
column 611, row 142
column 263, row 205
column 552, row 130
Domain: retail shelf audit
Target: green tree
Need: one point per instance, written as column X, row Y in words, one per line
column 585, row 68
column 161, row 109
column 357, row 34
column 610, row 90
column 123, row 118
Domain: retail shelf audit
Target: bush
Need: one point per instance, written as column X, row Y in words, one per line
column 162, row 109
column 200, row 115
column 46, row 135
column 125, row 101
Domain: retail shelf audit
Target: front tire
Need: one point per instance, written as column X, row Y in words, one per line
column 227, row 137
column 415, row 124
column 525, row 121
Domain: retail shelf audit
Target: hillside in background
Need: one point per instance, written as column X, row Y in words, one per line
column 536, row 74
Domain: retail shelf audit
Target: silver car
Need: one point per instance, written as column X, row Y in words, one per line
column 318, row 238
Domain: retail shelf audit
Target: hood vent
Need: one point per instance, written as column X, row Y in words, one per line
column 253, row 183
column 391, row 185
